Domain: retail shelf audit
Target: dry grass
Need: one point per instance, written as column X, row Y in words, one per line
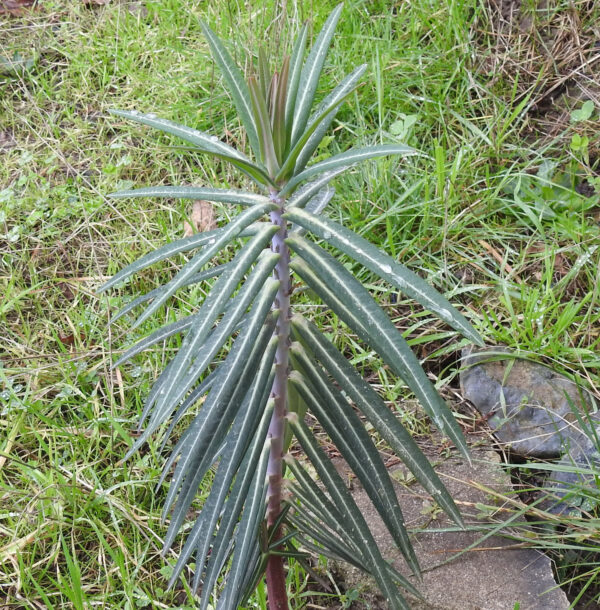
column 547, row 51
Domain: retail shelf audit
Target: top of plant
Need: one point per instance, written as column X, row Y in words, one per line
column 276, row 112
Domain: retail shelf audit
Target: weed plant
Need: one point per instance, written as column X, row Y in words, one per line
column 76, row 527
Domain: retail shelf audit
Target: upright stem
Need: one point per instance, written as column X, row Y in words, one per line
column 276, row 590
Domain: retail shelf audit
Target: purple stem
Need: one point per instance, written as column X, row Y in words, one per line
column 279, row 389
column 276, row 590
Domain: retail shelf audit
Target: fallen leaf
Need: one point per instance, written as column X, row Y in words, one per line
column 69, row 340
column 202, row 219
column 66, row 291
column 15, row 7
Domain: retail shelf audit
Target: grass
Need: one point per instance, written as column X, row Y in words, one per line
column 492, row 213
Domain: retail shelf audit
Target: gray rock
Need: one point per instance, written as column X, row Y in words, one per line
column 489, row 576
column 537, row 413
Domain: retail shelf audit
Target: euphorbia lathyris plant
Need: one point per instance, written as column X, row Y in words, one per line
column 255, row 367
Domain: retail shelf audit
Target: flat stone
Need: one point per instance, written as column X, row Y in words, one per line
column 531, row 409
column 489, row 576
column 537, row 413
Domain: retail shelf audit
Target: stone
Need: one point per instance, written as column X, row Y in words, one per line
column 537, row 413
column 531, row 409
column 491, row 574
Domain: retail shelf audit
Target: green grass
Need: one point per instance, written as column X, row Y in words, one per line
column 489, row 213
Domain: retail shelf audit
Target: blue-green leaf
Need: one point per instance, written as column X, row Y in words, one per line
column 355, row 306
column 347, row 159
column 236, row 84
column 306, row 144
column 227, row 234
column 307, row 192
column 316, row 205
column 202, row 441
column 354, row 443
column 245, row 425
column 376, row 411
column 311, row 73
column 182, row 371
column 385, row 267
column 195, row 192
column 343, row 500
column 251, row 471
column 144, row 298
column 202, row 141
column 294, row 73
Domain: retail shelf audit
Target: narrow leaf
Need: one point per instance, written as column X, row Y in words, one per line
column 202, row 141
column 195, row 192
column 201, row 441
column 264, row 74
column 311, row 73
column 144, row 298
column 341, row 497
column 227, row 234
column 175, row 247
column 244, row 427
column 234, row 314
column 318, row 125
column 348, row 434
column 385, row 267
column 316, row 205
column 331, row 546
column 295, row 71
column 213, row 305
column 263, row 123
column 307, row 192
column 162, row 334
column 236, row 84
column 376, row 411
column 214, row 342
column 347, row 159
column 247, row 539
column 278, row 123
column 355, row 306
column 255, row 461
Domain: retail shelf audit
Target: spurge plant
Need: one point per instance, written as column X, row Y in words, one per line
column 256, row 367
